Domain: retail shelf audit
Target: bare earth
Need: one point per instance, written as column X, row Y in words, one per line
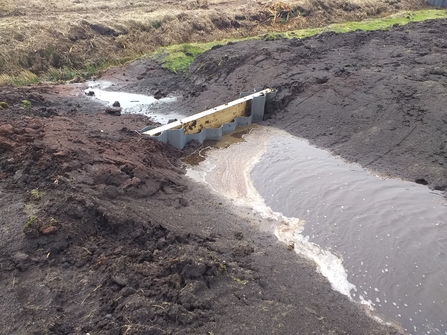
column 116, row 240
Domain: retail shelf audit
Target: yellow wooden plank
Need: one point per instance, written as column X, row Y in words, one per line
column 212, row 118
column 216, row 119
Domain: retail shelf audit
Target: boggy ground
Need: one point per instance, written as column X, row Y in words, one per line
column 102, row 233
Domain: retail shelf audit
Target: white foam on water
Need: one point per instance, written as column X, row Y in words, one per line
column 227, row 172
column 329, row 265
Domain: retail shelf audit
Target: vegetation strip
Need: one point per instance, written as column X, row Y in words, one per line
column 178, row 57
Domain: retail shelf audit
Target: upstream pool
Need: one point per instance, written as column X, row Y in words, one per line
column 132, row 103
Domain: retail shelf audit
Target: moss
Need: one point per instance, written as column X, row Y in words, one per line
column 178, row 57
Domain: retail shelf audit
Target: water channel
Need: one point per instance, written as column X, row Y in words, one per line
column 132, row 103
column 380, row 241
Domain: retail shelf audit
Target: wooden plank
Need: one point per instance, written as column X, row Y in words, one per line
column 216, row 119
column 211, row 118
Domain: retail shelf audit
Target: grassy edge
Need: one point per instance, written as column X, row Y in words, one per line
column 177, row 58
column 65, row 74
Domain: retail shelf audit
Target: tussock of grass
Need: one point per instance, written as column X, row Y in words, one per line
column 22, row 79
column 35, row 194
column 3, row 105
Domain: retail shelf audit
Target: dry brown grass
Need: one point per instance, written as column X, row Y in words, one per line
column 39, row 35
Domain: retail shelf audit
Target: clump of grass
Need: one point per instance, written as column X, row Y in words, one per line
column 36, row 195
column 221, row 269
column 26, row 104
column 3, row 105
column 156, row 24
column 67, row 74
column 30, row 221
column 273, row 36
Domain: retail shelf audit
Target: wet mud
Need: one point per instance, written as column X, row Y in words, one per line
column 102, row 232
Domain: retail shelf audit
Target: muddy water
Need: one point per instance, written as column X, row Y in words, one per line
column 132, row 103
column 383, row 242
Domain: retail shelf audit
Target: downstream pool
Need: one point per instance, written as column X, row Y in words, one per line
column 381, row 241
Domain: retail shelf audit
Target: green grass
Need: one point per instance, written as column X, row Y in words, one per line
column 178, row 57
column 401, row 18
